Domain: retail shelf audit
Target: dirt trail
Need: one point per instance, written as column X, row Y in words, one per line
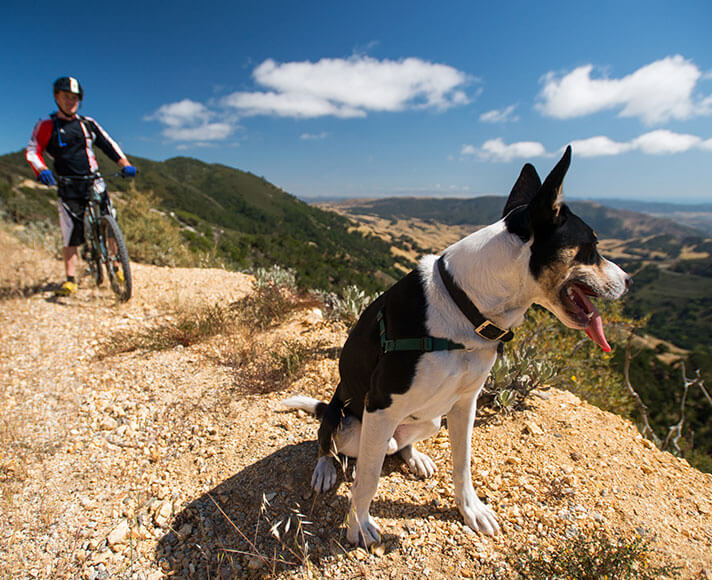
column 175, row 463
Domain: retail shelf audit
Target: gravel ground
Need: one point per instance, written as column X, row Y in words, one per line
column 176, row 462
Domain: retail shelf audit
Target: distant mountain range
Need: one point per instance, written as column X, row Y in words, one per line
column 608, row 222
column 696, row 215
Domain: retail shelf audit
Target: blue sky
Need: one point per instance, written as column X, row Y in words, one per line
column 365, row 99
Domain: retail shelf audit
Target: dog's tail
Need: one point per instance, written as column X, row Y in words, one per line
column 308, row 404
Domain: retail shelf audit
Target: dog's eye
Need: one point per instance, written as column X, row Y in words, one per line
column 588, row 254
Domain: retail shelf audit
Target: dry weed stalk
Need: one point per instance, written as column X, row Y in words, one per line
column 674, row 431
column 295, row 543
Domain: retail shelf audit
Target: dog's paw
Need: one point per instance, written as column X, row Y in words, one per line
column 362, row 533
column 477, row 515
column 418, row 463
column 324, row 476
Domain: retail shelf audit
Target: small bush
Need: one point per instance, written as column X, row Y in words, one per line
column 272, row 299
column 290, row 358
column 151, row 236
column 265, row 307
column 348, row 307
column 522, row 369
column 276, row 276
column 591, row 557
column 546, row 353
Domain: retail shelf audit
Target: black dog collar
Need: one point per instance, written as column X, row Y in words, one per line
column 482, row 327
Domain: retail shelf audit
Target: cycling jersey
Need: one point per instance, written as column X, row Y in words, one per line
column 70, row 143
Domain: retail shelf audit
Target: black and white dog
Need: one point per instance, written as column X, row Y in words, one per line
column 424, row 348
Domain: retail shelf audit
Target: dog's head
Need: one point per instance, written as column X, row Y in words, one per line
column 564, row 262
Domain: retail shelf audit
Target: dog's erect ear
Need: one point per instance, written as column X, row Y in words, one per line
column 546, row 205
column 524, row 189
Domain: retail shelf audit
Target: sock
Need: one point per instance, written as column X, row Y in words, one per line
column 71, row 279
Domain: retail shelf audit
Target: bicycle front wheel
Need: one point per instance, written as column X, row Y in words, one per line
column 91, row 252
column 117, row 265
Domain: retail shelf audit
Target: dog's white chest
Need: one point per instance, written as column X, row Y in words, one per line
column 441, row 379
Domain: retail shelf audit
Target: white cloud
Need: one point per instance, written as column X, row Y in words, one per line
column 659, row 142
column 498, row 150
column 505, row 115
column 188, row 120
column 598, row 146
column 350, row 87
column 314, row 136
column 656, row 93
column 343, row 88
column 302, row 106
column 665, row 142
column 203, row 132
column 181, row 113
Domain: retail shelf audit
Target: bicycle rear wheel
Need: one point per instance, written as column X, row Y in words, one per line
column 117, row 266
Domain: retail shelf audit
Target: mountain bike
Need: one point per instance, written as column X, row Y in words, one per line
column 105, row 248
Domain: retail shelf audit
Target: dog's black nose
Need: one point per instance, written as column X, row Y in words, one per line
column 628, row 282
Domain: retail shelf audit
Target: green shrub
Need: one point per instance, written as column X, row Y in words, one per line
column 276, row 276
column 592, row 556
column 546, row 353
column 348, row 307
column 151, row 236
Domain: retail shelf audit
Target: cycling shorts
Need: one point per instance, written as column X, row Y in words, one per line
column 71, row 220
column 71, row 217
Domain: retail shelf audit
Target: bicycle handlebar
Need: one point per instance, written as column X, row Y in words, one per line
column 91, row 177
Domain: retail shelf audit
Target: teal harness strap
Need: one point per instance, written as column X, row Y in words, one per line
column 423, row 344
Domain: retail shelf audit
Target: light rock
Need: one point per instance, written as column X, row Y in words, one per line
column 533, row 428
column 119, row 534
column 108, row 423
column 314, row 316
column 163, row 513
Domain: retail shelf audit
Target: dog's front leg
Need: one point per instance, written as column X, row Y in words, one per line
column 376, row 432
column 460, row 420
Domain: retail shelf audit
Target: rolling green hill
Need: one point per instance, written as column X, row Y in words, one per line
column 235, row 218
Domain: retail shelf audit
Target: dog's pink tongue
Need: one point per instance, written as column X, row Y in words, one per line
column 595, row 331
column 595, row 325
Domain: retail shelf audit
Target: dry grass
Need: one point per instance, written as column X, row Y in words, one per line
column 238, row 335
column 23, row 270
column 190, row 324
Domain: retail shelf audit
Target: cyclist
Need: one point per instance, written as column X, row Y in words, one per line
column 70, row 138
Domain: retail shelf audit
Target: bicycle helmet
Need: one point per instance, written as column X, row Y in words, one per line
column 69, row 84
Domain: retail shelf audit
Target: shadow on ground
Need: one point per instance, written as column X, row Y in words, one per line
column 244, row 527
column 27, row 291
